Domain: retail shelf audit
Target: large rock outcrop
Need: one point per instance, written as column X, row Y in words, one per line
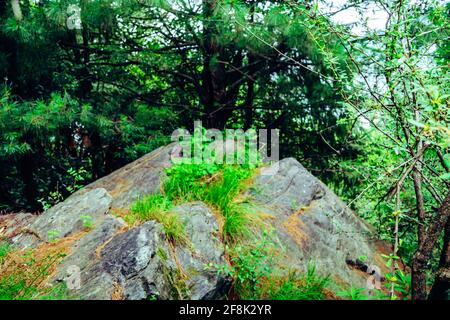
column 117, row 261
column 314, row 225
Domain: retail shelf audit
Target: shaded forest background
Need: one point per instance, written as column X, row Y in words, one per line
column 89, row 86
column 102, row 96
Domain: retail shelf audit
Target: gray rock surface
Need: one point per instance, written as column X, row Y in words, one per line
column 140, row 263
column 128, row 265
column 312, row 224
column 86, row 250
column 139, row 178
column 66, row 218
column 117, row 190
column 205, row 248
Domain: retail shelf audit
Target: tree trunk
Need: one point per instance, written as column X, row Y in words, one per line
column 27, row 167
column 248, row 111
column 441, row 286
column 248, row 114
column 218, row 94
column 417, row 180
column 425, row 250
column 17, row 11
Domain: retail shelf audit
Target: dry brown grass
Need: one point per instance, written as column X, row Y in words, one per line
column 118, row 293
column 32, row 268
column 295, row 227
column 120, row 212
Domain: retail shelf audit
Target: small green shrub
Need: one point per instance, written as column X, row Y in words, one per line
column 401, row 283
column 75, row 181
column 256, row 277
column 52, row 235
column 87, row 220
column 297, row 286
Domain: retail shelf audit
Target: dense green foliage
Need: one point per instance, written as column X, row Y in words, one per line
column 102, row 95
column 402, row 94
column 408, row 115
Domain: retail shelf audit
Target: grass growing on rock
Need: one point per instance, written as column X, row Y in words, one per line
column 216, row 185
column 157, row 207
column 254, row 259
column 186, row 182
column 222, row 194
column 299, row 286
column 212, row 182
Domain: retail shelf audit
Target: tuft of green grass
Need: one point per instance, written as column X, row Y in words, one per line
column 144, row 209
column 216, row 185
column 237, row 222
column 183, row 182
column 157, row 207
column 297, row 286
column 222, row 194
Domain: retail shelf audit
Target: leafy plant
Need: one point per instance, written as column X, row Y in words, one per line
column 255, row 274
column 402, row 283
column 353, row 294
column 53, row 235
column 77, row 178
column 75, row 182
column 298, row 286
column 87, row 220
column 53, row 198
